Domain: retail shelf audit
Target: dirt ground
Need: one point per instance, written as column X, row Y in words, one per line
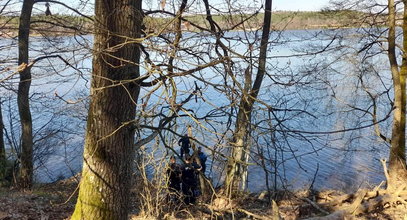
column 44, row 202
column 57, row 201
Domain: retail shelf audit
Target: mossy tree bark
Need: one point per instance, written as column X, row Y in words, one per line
column 237, row 162
column 108, row 155
column 26, row 158
column 397, row 158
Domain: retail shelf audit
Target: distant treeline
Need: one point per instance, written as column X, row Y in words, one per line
column 316, row 20
column 55, row 25
column 281, row 20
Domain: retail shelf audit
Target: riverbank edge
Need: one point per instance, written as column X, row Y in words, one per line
column 57, row 201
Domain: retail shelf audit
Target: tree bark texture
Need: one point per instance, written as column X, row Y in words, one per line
column 237, row 162
column 397, row 158
column 3, row 161
column 26, row 158
column 109, row 144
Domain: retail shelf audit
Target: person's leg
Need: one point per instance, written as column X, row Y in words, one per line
column 193, row 195
column 187, row 194
column 177, row 193
column 171, row 194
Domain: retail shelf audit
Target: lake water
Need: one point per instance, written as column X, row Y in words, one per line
column 310, row 101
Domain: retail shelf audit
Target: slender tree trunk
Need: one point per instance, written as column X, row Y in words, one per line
column 109, row 144
column 3, row 161
column 397, row 158
column 237, row 163
column 26, row 169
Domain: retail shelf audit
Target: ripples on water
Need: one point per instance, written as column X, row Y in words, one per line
column 337, row 160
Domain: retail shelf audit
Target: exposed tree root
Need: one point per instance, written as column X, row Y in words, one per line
column 364, row 202
column 367, row 202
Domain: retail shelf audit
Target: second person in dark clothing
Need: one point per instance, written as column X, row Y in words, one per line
column 174, row 179
column 202, row 158
column 189, row 180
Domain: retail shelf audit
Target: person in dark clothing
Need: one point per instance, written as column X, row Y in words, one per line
column 202, row 158
column 189, row 180
column 185, row 145
column 174, row 179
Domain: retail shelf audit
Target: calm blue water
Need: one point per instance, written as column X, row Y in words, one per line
column 309, row 100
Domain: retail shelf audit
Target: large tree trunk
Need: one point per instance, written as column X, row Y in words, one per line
column 237, row 163
column 397, row 158
column 109, row 145
column 26, row 158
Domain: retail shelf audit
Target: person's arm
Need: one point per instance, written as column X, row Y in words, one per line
column 197, row 167
column 202, row 157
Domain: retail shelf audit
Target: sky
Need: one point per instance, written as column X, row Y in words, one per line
column 299, row 5
column 278, row 5
column 283, row 5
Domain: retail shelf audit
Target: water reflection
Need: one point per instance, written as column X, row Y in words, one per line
column 306, row 103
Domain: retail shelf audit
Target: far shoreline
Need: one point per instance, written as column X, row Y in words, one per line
column 64, row 25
